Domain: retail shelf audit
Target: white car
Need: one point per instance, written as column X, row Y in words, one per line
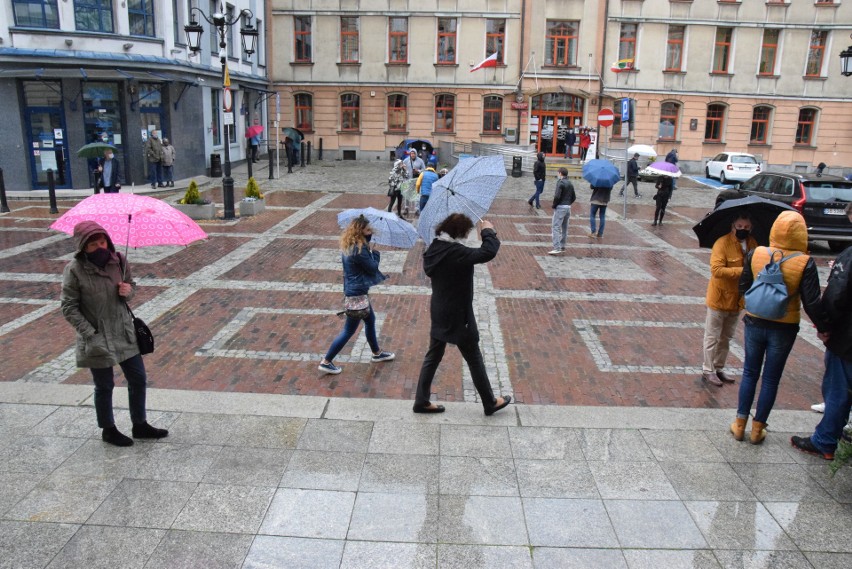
column 732, row 167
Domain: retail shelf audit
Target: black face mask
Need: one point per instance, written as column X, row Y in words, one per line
column 369, row 237
column 742, row 234
column 100, row 257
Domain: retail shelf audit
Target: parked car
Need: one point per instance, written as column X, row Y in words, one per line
column 820, row 199
column 732, row 167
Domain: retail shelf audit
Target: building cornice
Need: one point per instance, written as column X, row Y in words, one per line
column 443, row 87
column 731, row 23
column 667, row 93
column 397, row 14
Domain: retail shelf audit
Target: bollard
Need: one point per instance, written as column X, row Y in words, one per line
column 51, row 191
column 4, row 205
column 309, row 153
column 97, row 186
column 302, row 154
column 272, row 153
column 249, row 162
column 320, row 151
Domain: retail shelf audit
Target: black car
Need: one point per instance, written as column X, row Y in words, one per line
column 820, row 199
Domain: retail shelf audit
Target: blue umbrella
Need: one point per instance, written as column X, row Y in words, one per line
column 469, row 188
column 388, row 228
column 601, row 173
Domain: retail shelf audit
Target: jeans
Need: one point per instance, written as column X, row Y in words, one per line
column 155, row 173
column 539, row 187
column 593, row 212
column 559, row 226
column 423, row 201
column 168, row 174
column 836, row 383
column 719, row 328
column 134, row 372
column 765, row 348
column 349, row 329
column 472, row 355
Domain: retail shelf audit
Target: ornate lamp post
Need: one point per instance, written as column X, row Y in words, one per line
column 249, row 40
column 846, row 61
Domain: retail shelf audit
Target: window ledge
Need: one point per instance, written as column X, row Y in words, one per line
column 713, row 142
column 631, row 70
column 395, row 132
column 440, row 132
column 674, row 72
column 83, row 34
column 814, row 78
column 397, row 64
column 349, row 64
column 826, row 5
column 804, row 147
column 760, row 144
column 495, row 133
column 572, row 67
column 348, row 132
column 720, row 74
column 445, row 64
column 784, row 4
column 768, row 76
column 734, row 2
column 302, row 63
column 668, row 140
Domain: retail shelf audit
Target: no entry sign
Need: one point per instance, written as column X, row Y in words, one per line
column 605, row 118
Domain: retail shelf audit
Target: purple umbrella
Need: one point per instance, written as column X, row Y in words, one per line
column 663, row 169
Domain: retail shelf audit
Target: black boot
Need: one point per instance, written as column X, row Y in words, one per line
column 113, row 436
column 146, row 431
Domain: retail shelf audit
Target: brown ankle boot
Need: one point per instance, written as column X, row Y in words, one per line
column 738, row 428
column 758, row 432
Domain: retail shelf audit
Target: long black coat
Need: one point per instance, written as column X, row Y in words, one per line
column 450, row 266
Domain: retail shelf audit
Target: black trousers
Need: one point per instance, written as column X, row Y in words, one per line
column 471, row 354
column 396, row 196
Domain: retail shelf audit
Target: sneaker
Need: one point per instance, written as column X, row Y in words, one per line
column 330, row 368
column 638, row 196
column 592, row 235
column 804, row 444
column 555, row 252
column 818, row 408
column 383, row 357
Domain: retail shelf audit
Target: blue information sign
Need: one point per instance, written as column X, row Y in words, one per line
column 625, row 110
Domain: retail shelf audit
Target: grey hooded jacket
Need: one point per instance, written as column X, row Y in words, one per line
column 90, row 303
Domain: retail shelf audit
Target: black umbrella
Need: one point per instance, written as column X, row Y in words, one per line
column 718, row 222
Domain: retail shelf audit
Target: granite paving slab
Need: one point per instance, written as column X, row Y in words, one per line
column 336, row 436
column 578, row 558
column 545, row 443
column 63, row 498
column 482, row 556
column 16, row 485
column 706, row 481
column 738, row 525
column 733, row 559
column 221, row 508
column 102, row 547
column 380, row 555
column 400, row 474
column 780, row 482
column 267, row 432
column 654, row 524
column 815, row 526
column 178, row 462
column 463, row 440
column 37, row 454
column 200, row 550
column 828, row 560
column 477, row 476
column 321, row 470
column 25, row 545
column 685, row 559
column 632, row 480
column 308, row 513
column 399, row 437
column 248, row 466
column 143, row 503
column 555, row 479
column 486, row 520
column 627, row 445
column 568, row 523
column 271, row 552
column 395, row 517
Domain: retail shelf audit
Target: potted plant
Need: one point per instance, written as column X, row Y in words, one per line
column 253, row 203
column 194, row 206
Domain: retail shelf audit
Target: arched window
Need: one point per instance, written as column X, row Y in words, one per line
column 760, row 118
column 492, row 114
column 715, row 123
column 350, row 112
column 805, row 126
column 669, row 116
column 445, row 113
column 398, row 112
column 303, row 111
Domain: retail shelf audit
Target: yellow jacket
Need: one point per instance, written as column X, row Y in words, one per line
column 726, row 267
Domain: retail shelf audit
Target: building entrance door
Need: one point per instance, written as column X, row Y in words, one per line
column 554, row 113
column 48, row 147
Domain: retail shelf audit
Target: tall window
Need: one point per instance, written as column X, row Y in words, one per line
column 560, row 46
column 446, row 40
column 398, row 40
column 304, row 112
column 214, row 35
column 36, row 13
column 261, row 42
column 397, row 112
column 445, row 113
column 216, row 122
column 141, row 16
column 495, row 37
column 492, row 114
column 619, row 129
column 669, row 113
column 722, row 50
column 816, row 49
column 349, row 39
column 674, row 48
column 760, row 125
column 768, row 52
column 627, row 42
column 350, row 112
column 805, row 126
column 229, row 30
column 93, row 15
column 715, row 123
column 302, row 38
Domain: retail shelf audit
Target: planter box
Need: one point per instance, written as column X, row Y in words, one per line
column 251, row 208
column 206, row 211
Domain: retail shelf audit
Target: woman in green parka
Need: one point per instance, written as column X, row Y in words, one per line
column 96, row 286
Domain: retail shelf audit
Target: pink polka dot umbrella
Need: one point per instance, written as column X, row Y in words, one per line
column 133, row 220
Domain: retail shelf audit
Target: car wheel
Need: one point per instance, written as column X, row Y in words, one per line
column 722, row 178
column 707, row 171
column 838, row 246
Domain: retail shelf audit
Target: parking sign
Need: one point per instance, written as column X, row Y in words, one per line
column 625, row 110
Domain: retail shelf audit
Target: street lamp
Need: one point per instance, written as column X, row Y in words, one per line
column 846, row 61
column 249, row 42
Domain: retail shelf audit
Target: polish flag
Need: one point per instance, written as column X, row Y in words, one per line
column 490, row 61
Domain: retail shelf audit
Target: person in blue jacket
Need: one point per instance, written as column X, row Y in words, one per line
column 360, row 272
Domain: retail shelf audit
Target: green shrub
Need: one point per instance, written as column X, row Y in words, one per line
column 253, row 190
column 192, row 197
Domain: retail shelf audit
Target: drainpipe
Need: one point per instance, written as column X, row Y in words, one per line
column 519, row 93
column 603, row 55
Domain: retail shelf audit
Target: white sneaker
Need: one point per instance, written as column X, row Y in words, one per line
column 818, row 408
column 555, row 252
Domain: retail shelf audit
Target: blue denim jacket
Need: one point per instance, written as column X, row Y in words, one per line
column 361, row 271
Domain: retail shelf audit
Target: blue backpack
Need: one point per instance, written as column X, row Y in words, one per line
column 767, row 297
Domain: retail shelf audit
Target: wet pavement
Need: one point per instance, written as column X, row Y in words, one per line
column 616, row 455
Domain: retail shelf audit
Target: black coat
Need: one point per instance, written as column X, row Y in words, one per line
column 571, row 138
column 632, row 168
column 837, row 303
column 115, row 175
column 450, row 266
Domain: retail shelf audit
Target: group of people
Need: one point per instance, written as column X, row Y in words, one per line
column 161, row 159
column 582, row 139
column 412, row 168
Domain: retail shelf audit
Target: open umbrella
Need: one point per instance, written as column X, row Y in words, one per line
column 663, row 169
column 133, row 220
column 469, row 188
column 294, row 133
column 94, row 150
column 718, row 222
column 642, row 150
column 388, row 228
column 253, row 130
column 601, row 173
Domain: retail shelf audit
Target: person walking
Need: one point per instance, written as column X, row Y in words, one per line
column 664, row 187
column 672, row 158
column 254, row 141
column 424, row 184
column 154, row 155
column 289, row 152
column 570, row 141
column 723, row 299
column 632, row 176
column 539, row 174
column 398, row 175
column 449, row 264
column 360, row 272
column 562, row 200
column 109, row 173
column 836, row 302
column 97, row 284
column 168, row 163
column 585, row 142
column 599, row 201
column 769, row 342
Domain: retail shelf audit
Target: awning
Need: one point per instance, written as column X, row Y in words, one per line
column 98, row 74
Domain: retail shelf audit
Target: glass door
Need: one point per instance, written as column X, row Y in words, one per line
column 48, row 148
